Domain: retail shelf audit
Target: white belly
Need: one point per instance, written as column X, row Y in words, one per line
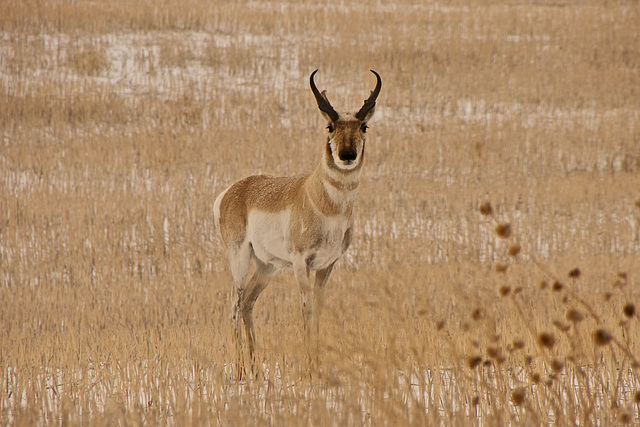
column 269, row 234
column 266, row 232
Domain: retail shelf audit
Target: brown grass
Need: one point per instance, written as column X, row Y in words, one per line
column 121, row 121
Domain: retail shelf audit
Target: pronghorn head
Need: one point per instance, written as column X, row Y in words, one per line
column 345, row 143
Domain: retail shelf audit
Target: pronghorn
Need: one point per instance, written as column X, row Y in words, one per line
column 302, row 223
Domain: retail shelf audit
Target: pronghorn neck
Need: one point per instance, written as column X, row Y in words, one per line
column 331, row 189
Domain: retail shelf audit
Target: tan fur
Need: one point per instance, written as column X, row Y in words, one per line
column 303, row 223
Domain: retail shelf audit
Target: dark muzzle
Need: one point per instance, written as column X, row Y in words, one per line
column 347, row 155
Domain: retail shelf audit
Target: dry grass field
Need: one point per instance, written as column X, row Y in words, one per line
column 120, row 121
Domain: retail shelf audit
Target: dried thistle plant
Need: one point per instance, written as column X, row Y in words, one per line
column 486, row 209
column 557, row 364
column 574, row 315
column 473, row 361
column 504, row 230
column 504, row 290
column 601, row 337
column 546, row 339
column 514, row 250
column 629, row 309
column 501, row 267
column 518, row 344
column 574, row 273
column 518, row 396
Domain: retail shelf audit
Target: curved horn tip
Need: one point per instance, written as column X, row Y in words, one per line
column 377, row 76
column 312, row 75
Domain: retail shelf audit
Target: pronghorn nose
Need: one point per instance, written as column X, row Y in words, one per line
column 349, row 155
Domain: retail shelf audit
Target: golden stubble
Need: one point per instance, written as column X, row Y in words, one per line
column 120, row 122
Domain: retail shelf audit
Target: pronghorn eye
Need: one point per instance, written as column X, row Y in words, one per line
column 331, row 127
column 364, row 128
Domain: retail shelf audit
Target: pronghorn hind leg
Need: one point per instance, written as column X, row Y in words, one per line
column 237, row 325
column 258, row 282
column 239, row 260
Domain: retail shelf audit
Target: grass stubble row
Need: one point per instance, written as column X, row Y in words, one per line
column 120, row 122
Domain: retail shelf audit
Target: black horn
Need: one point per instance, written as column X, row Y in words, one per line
column 323, row 103
column 370, row 102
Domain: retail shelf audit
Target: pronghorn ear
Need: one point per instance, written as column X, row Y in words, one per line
column 326, row 117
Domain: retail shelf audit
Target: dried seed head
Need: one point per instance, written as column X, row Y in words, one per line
column 629, row 309
column 485, row 208
column 518, row 395
column 476, row 314
column 517, row 289
column 607, row 296
column 557, row 286
column 601, row 337
column 535, row 377
column 625, row 417
column 504, row 230
column 475, row 401
column 546, row 339
column 518, row 344
column 504, row 290
column 473, row 361
column 440, row 325
column 543, row 285
column 501, row 267
column 574, row 273
column 557, row 364
column 563, row 327
column 573, row 315
column 621, row 280
column 494, row 352
column 636, row 397
column 514, row 250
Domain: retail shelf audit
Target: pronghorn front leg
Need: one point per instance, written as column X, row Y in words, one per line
column 322, row 276
column 301, row 272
